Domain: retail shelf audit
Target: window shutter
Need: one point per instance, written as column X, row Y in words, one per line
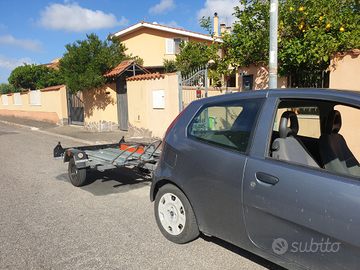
column 170, row 48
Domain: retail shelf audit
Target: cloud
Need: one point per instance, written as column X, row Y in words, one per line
column 3, row 26
column 73, row 18
column 12, row 63
column 27, row 44
column 163, row 7
column 224, row 9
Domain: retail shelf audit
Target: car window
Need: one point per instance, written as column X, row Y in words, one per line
column 296, row 133
column 226, row 124
column 325, row 138
column 350, row 128
column 308, row 117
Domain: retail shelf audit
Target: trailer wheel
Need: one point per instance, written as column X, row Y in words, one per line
column 174, row 215
column 77, row 176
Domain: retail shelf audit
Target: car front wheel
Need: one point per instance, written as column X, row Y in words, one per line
column 174, row 215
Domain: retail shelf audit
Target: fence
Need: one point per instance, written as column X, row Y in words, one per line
column 48, row 104
column 192, row 87
column 307, row 79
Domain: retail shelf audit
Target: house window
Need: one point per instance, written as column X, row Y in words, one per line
column 248, row 82
column 173, row 45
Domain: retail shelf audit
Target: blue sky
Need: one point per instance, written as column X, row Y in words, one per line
column 37, row 31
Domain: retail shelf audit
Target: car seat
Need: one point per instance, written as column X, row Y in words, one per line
column 288, row 146
column 334, row 151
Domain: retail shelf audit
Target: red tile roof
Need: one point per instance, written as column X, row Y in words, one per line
column 52, row 88
column 122, row 67
column 142, row 77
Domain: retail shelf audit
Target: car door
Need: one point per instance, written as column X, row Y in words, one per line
column 210, row 163
column 304, row 214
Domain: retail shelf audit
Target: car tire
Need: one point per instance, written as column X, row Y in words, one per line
column 174, row 215
column 77, row 176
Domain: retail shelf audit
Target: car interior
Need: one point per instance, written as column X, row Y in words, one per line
column 328, row 149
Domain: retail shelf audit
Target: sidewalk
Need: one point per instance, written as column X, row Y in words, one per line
column 72, row 131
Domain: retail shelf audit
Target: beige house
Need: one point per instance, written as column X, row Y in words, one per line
column 154, row 43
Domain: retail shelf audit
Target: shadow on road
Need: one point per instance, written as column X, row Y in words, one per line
column 114, row 181
column 243, row 253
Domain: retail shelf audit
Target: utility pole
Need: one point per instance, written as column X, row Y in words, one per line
column 273, row 48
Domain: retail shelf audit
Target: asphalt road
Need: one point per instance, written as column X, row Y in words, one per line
column 46, row 223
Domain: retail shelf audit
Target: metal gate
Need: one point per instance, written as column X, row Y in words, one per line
column 313, row 79
column 192, row 87
column 76, row 109
column 122, row 104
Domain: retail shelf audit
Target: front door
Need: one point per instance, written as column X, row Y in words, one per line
column 122, row 104
column 302, row 213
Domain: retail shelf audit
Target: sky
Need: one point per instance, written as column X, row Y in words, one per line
column 36, row 32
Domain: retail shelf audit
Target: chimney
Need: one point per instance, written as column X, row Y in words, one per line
column 228, row 29
column 216, row 25
column 222, row 27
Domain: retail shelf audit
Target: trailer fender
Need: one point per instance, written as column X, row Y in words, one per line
column 79, row 156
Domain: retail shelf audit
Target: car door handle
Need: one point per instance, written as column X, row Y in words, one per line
column 266, row 178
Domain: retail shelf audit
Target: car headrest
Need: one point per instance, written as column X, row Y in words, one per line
column 333, row 123
column 284, row 130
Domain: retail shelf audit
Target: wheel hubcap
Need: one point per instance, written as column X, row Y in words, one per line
column 172, row 214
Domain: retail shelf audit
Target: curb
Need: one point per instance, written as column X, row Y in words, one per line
column 67, row 137
column 46, row 132
column 18, row 125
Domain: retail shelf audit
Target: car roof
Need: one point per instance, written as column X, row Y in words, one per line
column 334, row 95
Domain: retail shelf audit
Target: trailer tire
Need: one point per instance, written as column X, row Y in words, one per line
column 77, row 176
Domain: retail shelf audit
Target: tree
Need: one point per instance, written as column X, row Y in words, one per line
column 35, row 77
column 9, row 88
column 85, row 62
column 195, row 55
column 249, row 41
column 310, row 32
column 169, row 65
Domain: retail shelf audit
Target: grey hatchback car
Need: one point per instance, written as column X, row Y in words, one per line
column 275, row 172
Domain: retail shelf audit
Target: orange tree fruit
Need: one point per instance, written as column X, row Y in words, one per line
column 249, row 40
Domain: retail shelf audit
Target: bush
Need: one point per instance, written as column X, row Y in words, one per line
column 9, row 88
column 169, row 66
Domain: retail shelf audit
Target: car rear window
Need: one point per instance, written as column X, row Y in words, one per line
column 226, row 124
